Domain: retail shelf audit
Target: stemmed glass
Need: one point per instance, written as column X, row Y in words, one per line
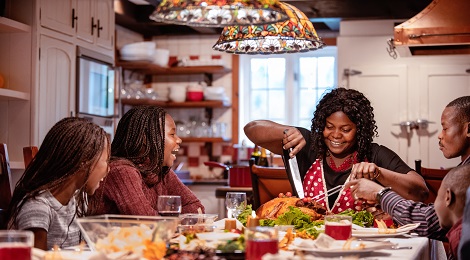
column 169, row 206
column 235, row 203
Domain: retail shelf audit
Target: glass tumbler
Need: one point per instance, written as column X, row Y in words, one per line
column 16, row 244
column 260, row 241
column 338, row 227
column 169, row 206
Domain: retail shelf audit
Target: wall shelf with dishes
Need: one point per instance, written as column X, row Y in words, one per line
column 11, row 26
column 148, row 68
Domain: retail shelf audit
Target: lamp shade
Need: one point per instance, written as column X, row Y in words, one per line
column 294, row 35
column 218, row 13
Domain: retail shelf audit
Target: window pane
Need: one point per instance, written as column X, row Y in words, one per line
column 277, row 105
column 277, row 73
column 326, row 72
column 258, row 106
column 308, row 72
column 259, row 74
column 308, row 101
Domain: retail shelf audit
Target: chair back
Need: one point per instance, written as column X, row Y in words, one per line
column 267, row 183
column 28, row 154
column 5, row 182
column 432, row 177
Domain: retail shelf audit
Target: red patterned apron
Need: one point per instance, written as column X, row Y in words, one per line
column 315, row 184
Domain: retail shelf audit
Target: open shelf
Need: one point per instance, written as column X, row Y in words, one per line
column 206, row 139
column 150, row 68
column 189, row 104
column 8, row 94
column 12, row 26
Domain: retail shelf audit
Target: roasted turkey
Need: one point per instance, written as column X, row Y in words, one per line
column 278, row 206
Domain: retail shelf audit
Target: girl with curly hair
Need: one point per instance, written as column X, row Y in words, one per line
column 143, row 150
column 339, row 148
column 71, row 162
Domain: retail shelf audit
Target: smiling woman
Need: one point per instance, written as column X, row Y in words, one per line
column 143, row 151
column 339, row 148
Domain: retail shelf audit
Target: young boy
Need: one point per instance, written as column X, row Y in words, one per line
column 450, row 202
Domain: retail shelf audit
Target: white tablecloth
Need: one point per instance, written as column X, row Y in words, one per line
column 422, row 249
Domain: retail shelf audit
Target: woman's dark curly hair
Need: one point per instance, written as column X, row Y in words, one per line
column 357, row 107
column 140, row 138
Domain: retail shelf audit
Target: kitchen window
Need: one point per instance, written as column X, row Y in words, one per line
column 285, row 88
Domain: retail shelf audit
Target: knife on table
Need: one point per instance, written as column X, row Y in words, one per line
column 293, row 174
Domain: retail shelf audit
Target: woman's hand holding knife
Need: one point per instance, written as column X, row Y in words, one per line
column 293, row 139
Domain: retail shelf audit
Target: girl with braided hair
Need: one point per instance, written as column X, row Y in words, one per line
column 71, row 162
column 143, row 150
column 339, row 148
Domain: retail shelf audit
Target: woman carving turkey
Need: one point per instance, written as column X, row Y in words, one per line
column 339, row 148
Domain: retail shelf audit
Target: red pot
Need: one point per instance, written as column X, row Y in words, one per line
column 238, row 175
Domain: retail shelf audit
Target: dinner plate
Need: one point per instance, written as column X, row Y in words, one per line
column 374, row 232
column 336, row 248
column 221, row 236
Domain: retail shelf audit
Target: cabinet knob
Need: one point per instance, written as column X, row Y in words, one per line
column 93, row 25
column 99, row 28
column 74, row 18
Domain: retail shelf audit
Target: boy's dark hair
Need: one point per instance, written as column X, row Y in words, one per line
column 357, row 107
column 71, row 146
column 462, row 104
column 140, row 138
column 458, row 180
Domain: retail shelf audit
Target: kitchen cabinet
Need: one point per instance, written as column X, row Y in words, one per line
column 91, row 21
column 56, row 92
column 15, row 96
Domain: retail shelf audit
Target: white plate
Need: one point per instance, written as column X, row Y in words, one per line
column 374, row 232
column 336, row 248
column 222, row 236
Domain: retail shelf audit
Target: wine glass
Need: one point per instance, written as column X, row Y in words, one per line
column 169, row 206
column 235, row 203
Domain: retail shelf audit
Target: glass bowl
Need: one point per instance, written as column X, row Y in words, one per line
column 197, row 219
column 137, row 234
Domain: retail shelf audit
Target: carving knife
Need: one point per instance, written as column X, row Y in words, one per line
column 294, row 174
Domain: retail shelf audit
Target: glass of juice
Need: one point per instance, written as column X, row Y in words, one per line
column 338, row 227
column 16, row 244
column 169, row 205
column 260, row 241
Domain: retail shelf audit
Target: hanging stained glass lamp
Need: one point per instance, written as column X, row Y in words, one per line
column 218, row 13
column 294, row 35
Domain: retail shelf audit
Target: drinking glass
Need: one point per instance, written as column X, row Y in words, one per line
column 338, row 227
column 259, row 241
column 169, row 206
column 235, row 203
column 16, row 244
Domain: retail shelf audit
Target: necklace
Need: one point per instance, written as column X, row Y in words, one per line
column 352, row 159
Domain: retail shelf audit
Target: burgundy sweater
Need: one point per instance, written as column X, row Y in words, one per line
column 125, row 192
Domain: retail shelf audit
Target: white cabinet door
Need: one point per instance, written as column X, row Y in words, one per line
column 438, row 85
column 58, row 15
column 386, row 88
column 104, row 14
column 85, row 21
column 56, row 83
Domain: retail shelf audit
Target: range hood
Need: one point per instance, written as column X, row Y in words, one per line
column 443, row 27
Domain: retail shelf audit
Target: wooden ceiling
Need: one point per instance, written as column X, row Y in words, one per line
column 324, row 14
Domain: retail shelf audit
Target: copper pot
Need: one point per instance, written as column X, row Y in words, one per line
column 238, row 175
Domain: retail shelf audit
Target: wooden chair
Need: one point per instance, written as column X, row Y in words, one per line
column 28, row 154
column 267, row 183
column 5, row 182
column 433, row 179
